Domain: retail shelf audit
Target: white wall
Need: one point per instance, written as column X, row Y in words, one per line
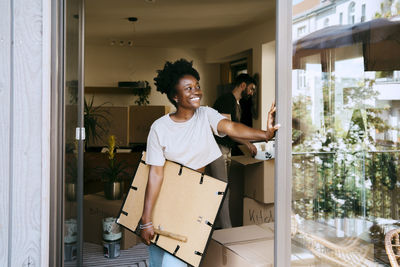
column 267, row 80
column 253, row 37
column 248, row 38
column 24, row 132
column 106, row 65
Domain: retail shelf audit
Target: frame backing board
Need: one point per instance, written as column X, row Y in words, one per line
column 187, row 205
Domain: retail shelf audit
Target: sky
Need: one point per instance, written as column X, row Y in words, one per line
column 295, row 2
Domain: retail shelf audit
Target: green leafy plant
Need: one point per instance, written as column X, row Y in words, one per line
column 95, row 120
column 115, row 170
column 143, row 93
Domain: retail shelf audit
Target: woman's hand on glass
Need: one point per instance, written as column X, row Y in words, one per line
column 271, row 128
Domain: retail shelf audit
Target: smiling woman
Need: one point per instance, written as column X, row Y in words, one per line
column 186, row 137
column 188, row 92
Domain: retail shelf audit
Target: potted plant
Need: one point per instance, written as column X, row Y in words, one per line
column 140, row 89
column 95, row 121
column 113, row 174
column 143, row 93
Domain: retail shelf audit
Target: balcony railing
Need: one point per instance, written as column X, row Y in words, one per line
column 346, row 184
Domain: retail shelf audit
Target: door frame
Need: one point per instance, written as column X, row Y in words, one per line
column 56, row 236
column 57, row 135
column 283, row 161
column 283, row 166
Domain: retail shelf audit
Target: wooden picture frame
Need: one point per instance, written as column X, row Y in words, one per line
column 187, row 206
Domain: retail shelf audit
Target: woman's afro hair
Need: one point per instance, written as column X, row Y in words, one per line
column 169, row 76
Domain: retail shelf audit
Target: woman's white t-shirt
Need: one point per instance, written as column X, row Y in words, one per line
column 190, row 143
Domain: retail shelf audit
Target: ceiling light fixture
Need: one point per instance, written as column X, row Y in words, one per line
column 132, row 20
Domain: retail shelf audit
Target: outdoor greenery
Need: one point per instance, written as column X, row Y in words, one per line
column 340, row 173
column 386, row 11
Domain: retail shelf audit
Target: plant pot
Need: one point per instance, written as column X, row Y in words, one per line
column 70, row 231
column 70, row 191
column 70, row 239
column 111, row 230
column 113, row 190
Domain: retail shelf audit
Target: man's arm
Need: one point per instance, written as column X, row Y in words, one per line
column 248, row 144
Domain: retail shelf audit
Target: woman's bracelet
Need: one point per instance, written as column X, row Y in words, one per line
column 146, row 225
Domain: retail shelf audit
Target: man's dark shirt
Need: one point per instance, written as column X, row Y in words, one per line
column 226, row 104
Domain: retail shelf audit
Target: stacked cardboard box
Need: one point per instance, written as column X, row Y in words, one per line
column 258, row 178
column 255, row 212
column 95, row 208
column 258, row 203
column 250, row 246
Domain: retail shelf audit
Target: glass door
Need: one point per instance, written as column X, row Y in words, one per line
column 73, row 132
column 346, row 141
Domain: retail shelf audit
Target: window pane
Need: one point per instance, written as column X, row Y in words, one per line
column 346, row 134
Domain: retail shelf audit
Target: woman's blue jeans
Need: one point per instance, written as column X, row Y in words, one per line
column 160, row 258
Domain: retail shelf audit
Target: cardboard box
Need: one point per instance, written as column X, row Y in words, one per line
column 255, row 212
column 250, row 246
column 140, row 120
column 95, row 208
column 258, row 178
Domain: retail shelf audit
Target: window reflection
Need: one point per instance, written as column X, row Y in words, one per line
column 346, row 136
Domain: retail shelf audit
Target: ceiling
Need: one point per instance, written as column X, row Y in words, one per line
column 172, row 23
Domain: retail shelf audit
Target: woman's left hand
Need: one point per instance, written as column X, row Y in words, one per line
column 271, row 128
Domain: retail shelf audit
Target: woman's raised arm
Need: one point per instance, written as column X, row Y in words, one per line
column 238, row 130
